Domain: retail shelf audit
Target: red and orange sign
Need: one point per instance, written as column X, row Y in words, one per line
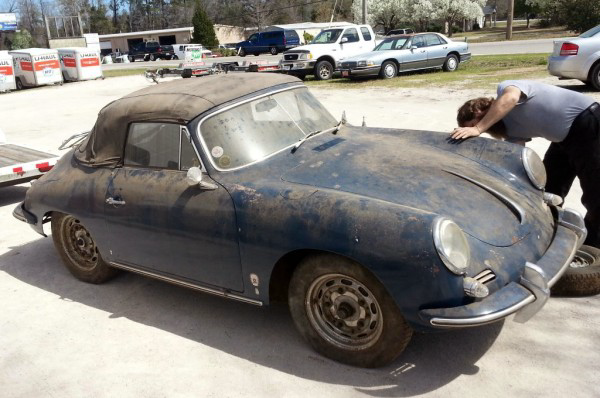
column 53, row 64
column 27, row 66
column 90, row 62
column 6, row 70
column 69, row 62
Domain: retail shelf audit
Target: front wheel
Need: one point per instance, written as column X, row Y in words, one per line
column 451, row 63
column 345, row 313
column 388, row 70
column 273, row 50
column 152, row 57
column 242, row 52
column 323, row 70
column 595, row 77
column 78, row 250
column 175, row 57
column 582, row 278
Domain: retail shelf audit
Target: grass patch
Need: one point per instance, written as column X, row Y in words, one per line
column 479, row 72
column 123, row 72
column 498, row 33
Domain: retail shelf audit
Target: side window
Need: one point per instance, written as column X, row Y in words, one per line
column 254, row 37
column 432, row 40
column 418, row 41
column 159, row 145
column 351, row 34
column 365, row 33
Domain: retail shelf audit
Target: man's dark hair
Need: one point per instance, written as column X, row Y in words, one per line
column 469, row 110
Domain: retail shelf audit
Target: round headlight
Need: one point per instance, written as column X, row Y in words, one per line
column 534, row 167
column 451, row 244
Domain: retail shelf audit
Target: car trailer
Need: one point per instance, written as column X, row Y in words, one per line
column 197, row 69
column 80, row 63
column 36, row 67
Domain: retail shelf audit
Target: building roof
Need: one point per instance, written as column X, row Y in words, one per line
column 308, row 25
column 146, row 32
column 178, row 101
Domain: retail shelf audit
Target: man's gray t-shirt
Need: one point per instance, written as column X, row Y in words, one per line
column 545, row 111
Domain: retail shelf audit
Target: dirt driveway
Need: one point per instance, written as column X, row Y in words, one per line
column 137, row 337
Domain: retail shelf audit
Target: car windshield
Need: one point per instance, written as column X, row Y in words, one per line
column 592, row 32
column 391, row 44
column 254, row 130
column 327, row 36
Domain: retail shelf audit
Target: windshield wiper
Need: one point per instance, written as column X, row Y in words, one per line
column 333, row 130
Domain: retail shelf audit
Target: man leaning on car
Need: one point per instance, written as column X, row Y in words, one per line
column 570, row 120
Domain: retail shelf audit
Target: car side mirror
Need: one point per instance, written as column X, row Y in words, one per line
column 194, row 178
column 344, row 40
column 413, row 48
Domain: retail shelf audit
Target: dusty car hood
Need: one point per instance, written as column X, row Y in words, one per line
column 417, row 174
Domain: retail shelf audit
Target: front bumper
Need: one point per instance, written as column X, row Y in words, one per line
column 359, row 72
column 299, row 66
column 526, row 296
column 22, row 214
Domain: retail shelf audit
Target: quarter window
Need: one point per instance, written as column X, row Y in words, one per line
column 352, row 35
column 433, row 40
column 365, row 33
column 160, row 146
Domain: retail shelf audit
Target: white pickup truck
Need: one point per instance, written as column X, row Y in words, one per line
column 19, row 164
column 323, row 56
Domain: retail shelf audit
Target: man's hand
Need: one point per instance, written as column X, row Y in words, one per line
column 460, row 133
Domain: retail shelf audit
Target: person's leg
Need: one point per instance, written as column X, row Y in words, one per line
column 583, row 147
column 559, row 169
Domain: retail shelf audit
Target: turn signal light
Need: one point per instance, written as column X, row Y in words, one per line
column 569, row 49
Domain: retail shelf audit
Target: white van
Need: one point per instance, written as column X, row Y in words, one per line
column 36, row 67
column 80, row 63
column 180, row 50
column 7, row 72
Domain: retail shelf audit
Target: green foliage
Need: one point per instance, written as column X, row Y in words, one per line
column 99, row 22
column 204, row 31
column 21, row 40
column 308, row 37
column 224, row 52
column 580, row 15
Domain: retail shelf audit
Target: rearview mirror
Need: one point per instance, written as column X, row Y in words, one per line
column 413, row 47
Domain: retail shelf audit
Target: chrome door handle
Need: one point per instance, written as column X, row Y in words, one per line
column 114, row 202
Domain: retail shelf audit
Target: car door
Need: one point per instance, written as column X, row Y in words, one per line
column 350, row 43
column 252, row 43
column 159, row 223
column 416, row 55
column 437, row 49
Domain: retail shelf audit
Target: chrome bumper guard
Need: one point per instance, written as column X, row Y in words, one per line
column 527, row 296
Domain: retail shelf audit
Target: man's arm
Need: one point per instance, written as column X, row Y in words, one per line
column 500, row 108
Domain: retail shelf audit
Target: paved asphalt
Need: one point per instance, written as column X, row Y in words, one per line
column 489, row 48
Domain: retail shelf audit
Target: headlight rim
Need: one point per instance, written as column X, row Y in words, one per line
column 437, row 240
column 537, row 183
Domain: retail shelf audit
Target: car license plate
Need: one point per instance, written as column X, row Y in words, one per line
column 345, row 73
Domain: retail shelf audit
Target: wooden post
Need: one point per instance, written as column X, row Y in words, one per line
column 509, row 19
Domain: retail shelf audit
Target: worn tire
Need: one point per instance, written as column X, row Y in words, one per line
column 389, row 70
column 594, row 79
column 152, row 57
column 582, row 278
column 19, row 84
column 273, row 50
column 78, row 250
column 175, row 57
column 242, row 52
column 323, row 70
column 345, row 313
column 451, row 63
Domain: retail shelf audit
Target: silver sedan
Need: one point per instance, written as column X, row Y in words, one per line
column 578, row 58
column 405, row 53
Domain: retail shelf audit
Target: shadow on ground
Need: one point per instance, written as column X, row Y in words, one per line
column 265, row 336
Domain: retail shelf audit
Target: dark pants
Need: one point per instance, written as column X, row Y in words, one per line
column 579, row 155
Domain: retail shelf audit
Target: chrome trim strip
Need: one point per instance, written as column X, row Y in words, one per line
column 204, row 146
column 484, row 319
column 573, row 220
column 516, row 209
column 216, row 292
column 487, row 278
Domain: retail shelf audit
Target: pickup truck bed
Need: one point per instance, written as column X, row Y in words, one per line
column 20, row 164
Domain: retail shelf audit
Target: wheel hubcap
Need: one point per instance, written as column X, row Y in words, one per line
column 79, row 245
column 390, row 71
column 581, row 260
column 324, row 72
column 344, row 312
column 451, row 63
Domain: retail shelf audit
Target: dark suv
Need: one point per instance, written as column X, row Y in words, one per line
column 268, row 42
column 150, row 51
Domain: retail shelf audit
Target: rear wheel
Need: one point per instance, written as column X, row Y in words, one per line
column 242, row 52
column 345, row 313
column 273, row 50
column 323, row 70
column 582, row 278
column 78, row 250
column 451, row 63
column 131, row 58
column 19, row 84
column 595, row 77
column 388, row 70
column 175, row 57
column 152, row 57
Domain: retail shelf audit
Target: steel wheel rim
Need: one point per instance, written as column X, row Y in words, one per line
column 451, row 63
column 389, row 70
column 582, row 260
column 273, row 51
column 344, row 312
column 79, row 245
column 324, row 72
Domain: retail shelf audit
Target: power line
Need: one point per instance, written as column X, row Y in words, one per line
column 292, row 6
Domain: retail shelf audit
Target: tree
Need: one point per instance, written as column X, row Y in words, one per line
column 451, row 11
column 21, row 40
column 523, row 8
column 580, row 15
column 204, row 31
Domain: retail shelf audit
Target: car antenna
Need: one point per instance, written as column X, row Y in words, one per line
column 364, row 123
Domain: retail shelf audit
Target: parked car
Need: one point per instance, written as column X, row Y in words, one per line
column 578, row 58
column 150, row 51
column 395, row 32
column 322, row 56
column 179, row 50
column 252, row 190
column 407, row 53
column 272, row 42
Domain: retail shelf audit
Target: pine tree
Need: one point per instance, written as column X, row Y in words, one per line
column 204, row 31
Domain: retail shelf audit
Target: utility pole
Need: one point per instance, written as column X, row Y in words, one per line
column 509, row 19
column 364, row 12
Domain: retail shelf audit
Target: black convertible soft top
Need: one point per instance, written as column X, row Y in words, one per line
column 178, row 101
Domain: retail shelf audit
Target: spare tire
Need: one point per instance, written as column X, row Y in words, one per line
column 582, row 278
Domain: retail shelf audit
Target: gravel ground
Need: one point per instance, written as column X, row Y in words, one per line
column 139, row 337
